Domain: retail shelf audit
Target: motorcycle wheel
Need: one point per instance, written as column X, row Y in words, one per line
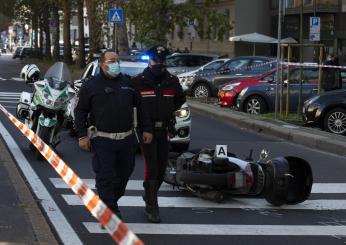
column 44, row 134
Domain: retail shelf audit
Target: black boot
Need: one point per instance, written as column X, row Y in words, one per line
column 150, row 198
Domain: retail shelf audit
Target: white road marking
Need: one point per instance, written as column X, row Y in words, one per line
column 133, row 185
column 227, row 230
column 240, row 203
column 10, row 94
column 3, row 79
column 137, row 185
column 64, row 230
column 17, row 79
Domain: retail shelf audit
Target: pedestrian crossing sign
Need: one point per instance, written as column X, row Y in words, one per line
column 116, row 16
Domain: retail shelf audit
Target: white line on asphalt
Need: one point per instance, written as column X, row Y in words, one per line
column 3, row 79
column 227, row 230
column 58, row 220
column 241, row 203
column 133, row 185
column 9, row 97
column 9, row 94
column 137, row 185
column 18, row 79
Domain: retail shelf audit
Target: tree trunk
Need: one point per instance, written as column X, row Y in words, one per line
column 47, row 32
column 81, row 46
column 94, row 27
column 40, row 21
column 123, row 41
column 67, row 32
column 35, row 29
column 56, row 35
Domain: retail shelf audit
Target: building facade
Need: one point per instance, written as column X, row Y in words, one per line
column 245, row 16
column 332, row 14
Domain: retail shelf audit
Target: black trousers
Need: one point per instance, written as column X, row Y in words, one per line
column 156, row 157
column 113, row 163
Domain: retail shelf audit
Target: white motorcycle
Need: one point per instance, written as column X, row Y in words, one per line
column 47, row 109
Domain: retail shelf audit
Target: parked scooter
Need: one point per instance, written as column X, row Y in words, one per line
column 46, row 109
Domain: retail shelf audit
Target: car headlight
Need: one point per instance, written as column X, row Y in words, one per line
column 189, row 80
column 243, row 91
column 230, row 86
column 184, row 112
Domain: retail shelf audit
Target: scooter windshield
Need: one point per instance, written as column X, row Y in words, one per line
column 58, row 76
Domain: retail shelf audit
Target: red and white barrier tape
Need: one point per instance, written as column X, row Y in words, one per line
column 311, row 65
column 114, row 226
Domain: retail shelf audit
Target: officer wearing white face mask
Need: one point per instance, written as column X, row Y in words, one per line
column 108, row 101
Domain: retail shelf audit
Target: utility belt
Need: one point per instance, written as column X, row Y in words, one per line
column 93, row 133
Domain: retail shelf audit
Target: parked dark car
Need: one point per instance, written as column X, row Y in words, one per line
column 207, row 84
column 259, row 99
column 178, row 63
column 327, row 111
column 25, row 52
column 16, row 53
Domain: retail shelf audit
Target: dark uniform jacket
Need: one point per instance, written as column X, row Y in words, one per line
column 108, row 102
column 331, row 77
column 160, row 97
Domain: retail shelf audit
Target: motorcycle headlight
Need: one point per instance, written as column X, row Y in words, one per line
column 230, row 86
column 184, row 112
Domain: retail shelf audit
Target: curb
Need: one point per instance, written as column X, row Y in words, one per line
column 41, row 228
column 310, row 137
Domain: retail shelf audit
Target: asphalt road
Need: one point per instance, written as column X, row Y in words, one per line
column 186, row 219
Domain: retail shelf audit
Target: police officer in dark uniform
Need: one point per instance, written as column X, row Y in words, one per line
column 161, row 95
column 106, row 101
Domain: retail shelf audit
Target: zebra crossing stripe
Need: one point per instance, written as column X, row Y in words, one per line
column 228, row 230
column 115, row 227
column 137, row 185
column 132, row 185
column 234, row 203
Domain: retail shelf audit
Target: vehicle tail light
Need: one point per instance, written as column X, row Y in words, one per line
column 249, row 177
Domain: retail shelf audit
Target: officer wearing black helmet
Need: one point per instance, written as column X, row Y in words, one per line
column 161, row 95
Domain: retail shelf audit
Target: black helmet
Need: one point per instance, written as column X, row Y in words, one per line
column 157, row 53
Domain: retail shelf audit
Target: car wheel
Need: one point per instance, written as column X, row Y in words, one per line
column 255, row 105
column 201, row 90
column 179, row 147
column 335, row 121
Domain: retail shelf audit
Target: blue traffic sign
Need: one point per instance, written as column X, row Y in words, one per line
column 315, row 21
column 116, row 16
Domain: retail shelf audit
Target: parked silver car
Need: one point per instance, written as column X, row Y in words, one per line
column 178, row 63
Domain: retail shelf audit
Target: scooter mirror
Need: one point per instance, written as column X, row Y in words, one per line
column 264, row 154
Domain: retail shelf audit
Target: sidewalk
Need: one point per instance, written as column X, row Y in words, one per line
column 310, row 137
column 22, row 221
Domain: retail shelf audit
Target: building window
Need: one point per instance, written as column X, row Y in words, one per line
column 289, row 3
column 86, row 21
column 308, row 2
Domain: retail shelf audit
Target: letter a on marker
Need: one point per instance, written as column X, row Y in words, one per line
column 221, row 151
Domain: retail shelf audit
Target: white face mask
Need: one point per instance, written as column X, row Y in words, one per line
column 113, row 69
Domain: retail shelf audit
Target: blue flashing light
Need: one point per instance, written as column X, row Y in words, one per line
column 145, row 57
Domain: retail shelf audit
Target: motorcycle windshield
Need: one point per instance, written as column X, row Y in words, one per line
column 58, row 76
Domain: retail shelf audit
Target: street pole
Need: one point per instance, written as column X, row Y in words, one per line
column 300, row 97
column 278, row 77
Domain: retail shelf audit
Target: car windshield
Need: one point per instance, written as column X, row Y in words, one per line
column 58, row 76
